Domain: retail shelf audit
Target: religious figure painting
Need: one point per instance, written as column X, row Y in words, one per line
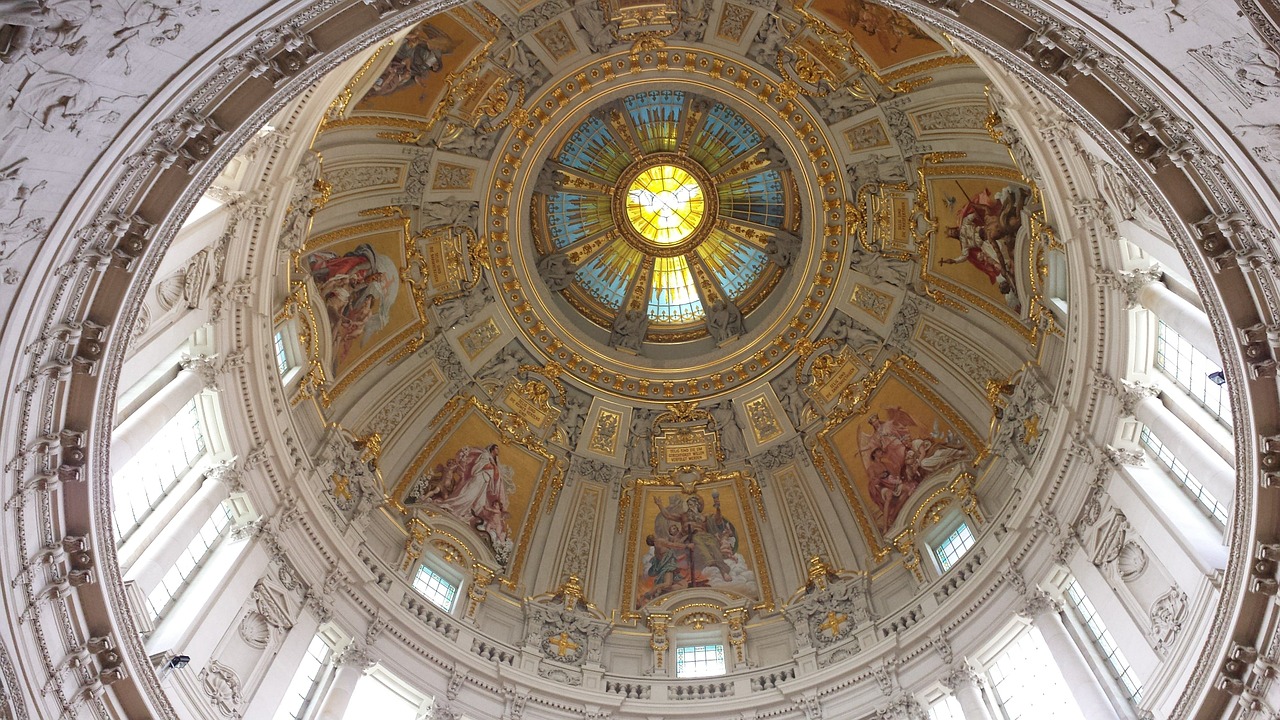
column 355, row 274
column 898, row 443
column 982, row 239
column 470, row 473
column 420, row 69
column 358, row 289
column 887, row 38
column 692, row 539
column 475, row 487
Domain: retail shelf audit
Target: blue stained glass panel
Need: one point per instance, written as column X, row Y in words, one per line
column 724, row 136
column 593, row 149
column 572, row 217
column 757, row 198
column 656, row 117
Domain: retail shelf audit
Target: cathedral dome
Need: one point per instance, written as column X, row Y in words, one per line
column 690, row 359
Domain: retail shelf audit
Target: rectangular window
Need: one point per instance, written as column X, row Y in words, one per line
column 375, row 697
column 301, row 694
column 954, row 547
column 699, row 661
column 1179, row 472
column 1027, row 684
column 1106, row 644
column 946, row 707
column 1190, row 370
column 193, row 556
column 139, row 486
column 435, row 588
column 282, row 355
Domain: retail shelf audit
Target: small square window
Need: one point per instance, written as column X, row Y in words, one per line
column 954, row 547
column 699, row 661
column 282, row 355
column 435, row 588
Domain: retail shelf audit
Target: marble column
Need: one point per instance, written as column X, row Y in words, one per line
column 351, row 664
column 271, row 693
column 1204, row 464
column 172, row 541
column 1046, row 614
column 966, row 684
column 1186, row 319
column 1157, row 247
column 144, row 423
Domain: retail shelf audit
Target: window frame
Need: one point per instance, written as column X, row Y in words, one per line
column 695, row 646
column 1170, row 343
column 1019, row 633
column 1172, row 468
column 940, row 531
column 204, row 451
column 940, row 556
column 288, row 334
column 324, row 670
column 441, row 570
column 1093, row 630
column 225, row 517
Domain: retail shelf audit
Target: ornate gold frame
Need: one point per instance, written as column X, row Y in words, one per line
column 745, row 485
column 856, row 397
column 315, row 382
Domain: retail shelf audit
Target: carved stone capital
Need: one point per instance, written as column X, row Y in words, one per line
column 206, row 367
column 1128, row 282
column 963, row 676
column 356, row 655
column 1116, row 457
column 226, row 472
column 1039, row 603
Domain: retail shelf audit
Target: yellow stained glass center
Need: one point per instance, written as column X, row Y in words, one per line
column 665, row 204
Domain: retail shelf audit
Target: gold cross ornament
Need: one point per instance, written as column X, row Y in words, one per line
column 833, row 623
column 562, row 644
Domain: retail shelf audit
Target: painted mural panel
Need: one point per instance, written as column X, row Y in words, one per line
column 475, row 474
column 355, row 274
column 417, row 76
column 887, row 38
column 981, row 248
column 897, row 443
column 692, row 538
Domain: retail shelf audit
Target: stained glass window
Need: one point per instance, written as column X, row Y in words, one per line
column 698, row 661
column 954, row 546
column 593, row 149
column 573, row 217
column 674, row 297
column 655, row 115
column 725, row 136
column 670, row 233
column 665, row 204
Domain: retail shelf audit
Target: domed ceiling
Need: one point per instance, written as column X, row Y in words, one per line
column 580, row 286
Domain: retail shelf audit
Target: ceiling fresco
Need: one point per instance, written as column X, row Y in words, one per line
column 725, row 274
